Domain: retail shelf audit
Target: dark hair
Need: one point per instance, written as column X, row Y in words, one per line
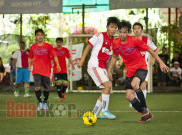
column 39, row 30
column 22, row 42
column 124, row 24
column 164, row 48
column 59, row 39
column 114, row 20
column 139, row 24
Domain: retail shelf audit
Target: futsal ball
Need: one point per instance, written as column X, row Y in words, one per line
column 89, row 118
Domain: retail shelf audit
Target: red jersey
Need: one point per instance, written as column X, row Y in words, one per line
column 101, row 51
column 62, row 54
column 130, row 52
column 41, row 56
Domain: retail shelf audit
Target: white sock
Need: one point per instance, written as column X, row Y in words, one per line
column 145, row 93
column 97, row 107
column 105, row 102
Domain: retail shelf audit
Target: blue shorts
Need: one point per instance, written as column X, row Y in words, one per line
column 22, row 75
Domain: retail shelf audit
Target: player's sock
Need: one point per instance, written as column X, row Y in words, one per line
column 27, row 90
column 64, row 88
column 17, row 89
column 38, row 95
column 145, row 93
column 137, row 105
column 97, row 107
column 59, row 90
column 105, row 102
column 141, row 97
column 46, row 95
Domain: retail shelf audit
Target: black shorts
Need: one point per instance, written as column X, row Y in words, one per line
column 140, row 73
column 61, row 77
column 40, row 79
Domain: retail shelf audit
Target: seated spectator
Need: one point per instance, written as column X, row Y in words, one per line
column 177, row 58
column 175, row 74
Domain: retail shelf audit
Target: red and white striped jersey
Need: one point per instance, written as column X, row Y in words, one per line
column 22, row 58
column 101, row 51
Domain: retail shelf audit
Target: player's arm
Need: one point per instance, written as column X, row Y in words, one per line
column 71, row 62
column 57, row 63
column 29, row 64
column 111, row 66
column 163, row 67
column 152, row 61
column 85, row 53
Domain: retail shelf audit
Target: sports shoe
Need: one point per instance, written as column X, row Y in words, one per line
column 130, row 105
column 16, row 94
column 107, row 115
column 27, row 95
column 45, row 106
column 40, row 106
column 60, row 100
column 146, row 117
column 64, row 95
column 99, row 116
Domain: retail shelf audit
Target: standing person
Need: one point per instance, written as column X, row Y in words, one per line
column 2, row 70
column 20, row 65
column 162, row 77
column 129, row 48
column 138, row 30
column 61, row 77
column 177, row 58
column 101, row 44
column 12, row 72
column 41, row 54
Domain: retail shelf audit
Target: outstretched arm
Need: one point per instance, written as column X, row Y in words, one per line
column 163, row 67
column 85, row 52
column 111, row 66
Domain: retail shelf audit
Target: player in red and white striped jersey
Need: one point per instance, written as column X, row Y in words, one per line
column 101, row 44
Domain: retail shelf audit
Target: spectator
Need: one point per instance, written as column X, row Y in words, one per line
column 20, row 65
column 12, row 72
column 2, row 70
column 161, row 76
column 175, row 74
column 177, row 58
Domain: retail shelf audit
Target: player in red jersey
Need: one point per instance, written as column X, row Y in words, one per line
column 60, row 77
column 101, row 44
column 129, row 48
column 138, row 30
column 40, row 55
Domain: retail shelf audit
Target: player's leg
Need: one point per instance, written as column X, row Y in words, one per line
column 26, row 80
column 46, row 85
column 37, row 83
column 58, row 82
column 101, row 80
column 139, row 77
column 65, row 84
column 144, row 88
column 19, row 77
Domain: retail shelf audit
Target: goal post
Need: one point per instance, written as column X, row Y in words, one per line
column 69, row 44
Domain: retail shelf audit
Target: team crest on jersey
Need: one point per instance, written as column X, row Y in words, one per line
column 107, row 51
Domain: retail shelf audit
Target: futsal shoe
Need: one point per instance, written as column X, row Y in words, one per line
column 108, row 115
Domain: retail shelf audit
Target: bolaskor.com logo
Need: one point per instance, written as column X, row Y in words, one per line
column 29, row 110
column 1, row 3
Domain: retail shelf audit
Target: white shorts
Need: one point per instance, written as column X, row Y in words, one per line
column 99, row 75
